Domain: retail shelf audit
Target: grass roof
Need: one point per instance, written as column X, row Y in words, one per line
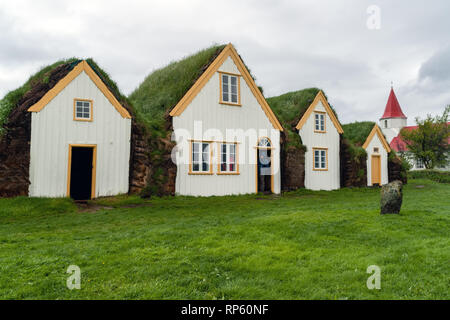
column 45, row 79
column 163, row 88
column 357, row 132
column 289, row 109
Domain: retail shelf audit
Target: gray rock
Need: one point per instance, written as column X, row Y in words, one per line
column 391, row 197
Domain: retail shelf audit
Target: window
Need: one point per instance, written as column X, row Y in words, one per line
column 320, row 159
column 319, row 122
column 385, row 123
column 200, row 158
column 419, row 164
column 228, row 158
column 82, row 110
column 376, row 150
column 230, row 89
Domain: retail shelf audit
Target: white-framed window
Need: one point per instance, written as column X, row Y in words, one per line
column 376, row 149
column 385, row 123
column 419, row 164
column 228, row 158
column 201, row 157
column 319, row 122
column 230, row 88
column 320, row 159
column 82, row 110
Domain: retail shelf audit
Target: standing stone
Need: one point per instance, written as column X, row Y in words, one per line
column 391, row 197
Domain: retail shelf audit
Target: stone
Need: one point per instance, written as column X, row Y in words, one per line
column 391, row 197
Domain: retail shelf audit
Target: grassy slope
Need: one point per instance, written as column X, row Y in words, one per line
column 357, row 132
column 163, row 88
column 303, row 245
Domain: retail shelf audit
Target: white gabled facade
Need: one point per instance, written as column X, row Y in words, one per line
column 54, row 130
column 377, row 150
column 322, row 160
column 205, row 118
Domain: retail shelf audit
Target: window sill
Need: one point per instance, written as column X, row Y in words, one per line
column 320, row 169
column 83, row 120
column 231, row 104
column 228, row 173
column 200, row 173
column 317, row 131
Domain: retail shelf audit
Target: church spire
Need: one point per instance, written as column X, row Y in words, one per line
column 393, row 109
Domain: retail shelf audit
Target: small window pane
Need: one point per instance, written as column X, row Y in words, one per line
column 233, row 80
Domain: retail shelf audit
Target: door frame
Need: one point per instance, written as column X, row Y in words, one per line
column 94, row 166
column 257, row 148
column 379, row 168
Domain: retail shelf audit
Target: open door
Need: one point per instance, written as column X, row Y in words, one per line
column 81, row 179
column 376, row 170
column 264, row 180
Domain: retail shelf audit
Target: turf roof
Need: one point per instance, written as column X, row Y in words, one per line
column 357, row 132
column 45, row 79
column 163, row 88
column 289, row 109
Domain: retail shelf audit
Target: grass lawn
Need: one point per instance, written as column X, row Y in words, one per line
column 303, row 245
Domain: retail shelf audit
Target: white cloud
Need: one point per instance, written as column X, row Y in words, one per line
column 288, row 45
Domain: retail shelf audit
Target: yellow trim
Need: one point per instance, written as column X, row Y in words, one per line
column 91, row 111
column 314, row 159
column 320, row 97
column 82, row 66
column 219, row 157
column 94, row 166
column 210, row 172
column 324, row 122
column 228, row 51
column 376, row 129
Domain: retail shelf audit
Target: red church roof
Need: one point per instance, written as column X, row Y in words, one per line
column 393, row 109
column 399, row 145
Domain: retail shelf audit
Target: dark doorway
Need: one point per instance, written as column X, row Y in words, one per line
column 81, row 173
column 264, row 170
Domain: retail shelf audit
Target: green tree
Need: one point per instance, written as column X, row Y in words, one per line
column 429, row 142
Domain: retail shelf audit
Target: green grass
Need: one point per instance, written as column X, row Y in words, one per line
column 305, row 244
column 435, row 175
column 357, row 132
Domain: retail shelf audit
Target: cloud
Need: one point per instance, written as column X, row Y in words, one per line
column 288, row 45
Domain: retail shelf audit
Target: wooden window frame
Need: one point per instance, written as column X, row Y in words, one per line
column 314, row 158
column 210, row 143
column 91, row 110
column 219, row 162
column 229, row 103
column 324, row 121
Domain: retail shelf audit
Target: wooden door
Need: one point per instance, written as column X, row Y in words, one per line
column 376, row 169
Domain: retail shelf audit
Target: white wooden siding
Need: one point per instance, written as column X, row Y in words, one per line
column 321, row 180
column 376, row 143
column 53, row 129
column 205, row 107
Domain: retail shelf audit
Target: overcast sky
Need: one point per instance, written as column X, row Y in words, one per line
column 288, row 45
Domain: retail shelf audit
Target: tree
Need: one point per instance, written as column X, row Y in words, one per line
column 429, row 142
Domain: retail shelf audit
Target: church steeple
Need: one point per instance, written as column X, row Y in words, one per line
column 393, row 109
column 393, row 119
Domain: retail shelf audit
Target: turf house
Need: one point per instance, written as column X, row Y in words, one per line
column 377, row 150
column 211, row 131
column 65, row 132
column 311, row 147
